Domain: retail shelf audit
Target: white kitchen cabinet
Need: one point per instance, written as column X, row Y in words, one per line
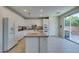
column 43, row 44
column 36, row 44
column 31, row 45
column 8, row 33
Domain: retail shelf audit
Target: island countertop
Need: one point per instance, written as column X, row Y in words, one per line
column 36, row 35
column 36, row 42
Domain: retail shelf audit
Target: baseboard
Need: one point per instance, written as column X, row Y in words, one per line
column 10, row 48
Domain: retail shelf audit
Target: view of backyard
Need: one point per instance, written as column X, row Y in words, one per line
column 72, row 27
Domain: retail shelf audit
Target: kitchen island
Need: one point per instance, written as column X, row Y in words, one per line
column 36, row 43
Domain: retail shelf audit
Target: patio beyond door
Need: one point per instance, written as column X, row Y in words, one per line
column 71, row 27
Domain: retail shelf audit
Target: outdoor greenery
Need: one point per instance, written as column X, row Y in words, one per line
column 74, row 21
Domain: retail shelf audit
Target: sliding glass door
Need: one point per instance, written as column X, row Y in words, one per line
column 67, row 27
column 71, row 27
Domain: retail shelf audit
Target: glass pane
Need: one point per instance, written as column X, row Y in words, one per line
column 71, row 27
column 67, row 28
column 75, row 27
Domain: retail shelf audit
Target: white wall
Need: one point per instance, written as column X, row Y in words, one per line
column 53, row 26
column 61, row 20
column 4, row 12
column 61, row 30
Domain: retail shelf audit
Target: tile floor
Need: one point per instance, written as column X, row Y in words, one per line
column 59, row 45
column 55, row 46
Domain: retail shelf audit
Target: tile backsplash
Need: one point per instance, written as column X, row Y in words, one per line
column 30, row 27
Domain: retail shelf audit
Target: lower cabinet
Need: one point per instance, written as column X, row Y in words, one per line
column 35, row 44
column 31, row 45
column 43, row 44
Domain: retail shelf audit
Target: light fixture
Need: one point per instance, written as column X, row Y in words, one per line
column 25, row 10
column 41, row 15
column 41, row 10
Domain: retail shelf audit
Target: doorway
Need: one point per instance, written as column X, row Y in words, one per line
column 71, row 27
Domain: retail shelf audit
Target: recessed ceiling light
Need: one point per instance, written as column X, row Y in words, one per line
column 25, row 10
column 41, row 15
column 41, row 10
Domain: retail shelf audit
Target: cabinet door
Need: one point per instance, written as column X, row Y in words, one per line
column 10, row 43
column 43, row 44
column 11, row 33
column 31, row 44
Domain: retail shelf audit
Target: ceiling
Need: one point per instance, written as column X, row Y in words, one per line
column 41, row 11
